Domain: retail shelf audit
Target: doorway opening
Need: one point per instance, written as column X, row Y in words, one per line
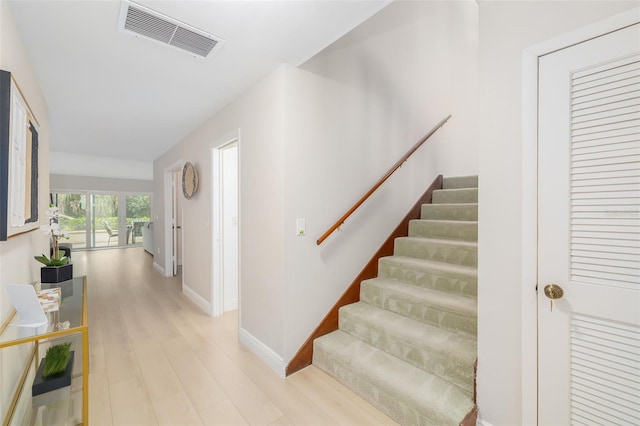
column 226, row 235
column 173, row 220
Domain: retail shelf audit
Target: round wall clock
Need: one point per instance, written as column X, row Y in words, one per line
column 189, row 180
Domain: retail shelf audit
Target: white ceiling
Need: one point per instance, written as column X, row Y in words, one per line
column 112, row 94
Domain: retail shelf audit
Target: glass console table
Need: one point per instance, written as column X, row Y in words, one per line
column 25, row 409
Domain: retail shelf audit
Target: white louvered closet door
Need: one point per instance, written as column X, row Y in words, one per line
column 589, row 232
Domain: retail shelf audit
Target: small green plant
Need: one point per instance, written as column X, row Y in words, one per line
column 56, row 359
column 53, row 261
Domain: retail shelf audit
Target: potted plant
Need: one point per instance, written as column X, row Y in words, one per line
column 57, row 268
column 55, row 369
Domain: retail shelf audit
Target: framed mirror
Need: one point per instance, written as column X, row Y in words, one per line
column 18, row 161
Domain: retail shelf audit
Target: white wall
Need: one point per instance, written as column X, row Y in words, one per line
column 258, row 113
column 352, row 111
column 312, row 141
column 506, row 29
column 66, row 163
column 92, row 183
column 16, row 254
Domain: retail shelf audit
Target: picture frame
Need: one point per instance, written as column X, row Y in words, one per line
column 18, row 161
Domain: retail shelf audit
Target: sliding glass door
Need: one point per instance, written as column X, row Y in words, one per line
column 105, row 229
column 138, row 216
column 73, row 218
column 95, row 220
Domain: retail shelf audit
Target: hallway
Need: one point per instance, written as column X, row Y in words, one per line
column 157, row 359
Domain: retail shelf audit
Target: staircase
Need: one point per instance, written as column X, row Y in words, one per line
column 409, row 345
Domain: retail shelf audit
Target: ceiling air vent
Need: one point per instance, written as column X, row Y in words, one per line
column 140, row 20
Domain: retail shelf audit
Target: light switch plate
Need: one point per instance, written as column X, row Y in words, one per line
column 301, row 230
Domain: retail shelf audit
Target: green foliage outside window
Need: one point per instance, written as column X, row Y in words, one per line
column 138, row 206
column 73, row 210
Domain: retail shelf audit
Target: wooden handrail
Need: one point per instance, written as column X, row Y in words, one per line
column 395, row 167
column 329, row 323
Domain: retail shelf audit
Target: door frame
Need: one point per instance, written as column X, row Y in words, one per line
column 217, row 243
column 529, row 307
column 168, row 208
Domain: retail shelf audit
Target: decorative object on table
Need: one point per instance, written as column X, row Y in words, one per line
column 57, row 268
column 28, row 307
column 56, row 359
column 56, row 274
column 189, row 180
column 63, row 325
column 50, row 299
column 55, row 369
column 18, row 161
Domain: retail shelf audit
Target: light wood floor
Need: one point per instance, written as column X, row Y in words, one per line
column 155, row 358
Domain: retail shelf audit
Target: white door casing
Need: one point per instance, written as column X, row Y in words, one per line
column 175, row 194
column 230, row 226
column 589, row 232
column 225, row 274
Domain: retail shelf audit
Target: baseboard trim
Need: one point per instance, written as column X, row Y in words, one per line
column 262, row 351
column 158, row 268
column 197, row 299
column 481, row 422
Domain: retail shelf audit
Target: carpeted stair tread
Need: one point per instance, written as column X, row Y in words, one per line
column 446, row 354
column 405, row 393
column 445, row 310
column 409, row 345
column 460, row 182
column 451, row 196
column 444, row 229
column 458, row 252
column 443, row 276
column 454, row 211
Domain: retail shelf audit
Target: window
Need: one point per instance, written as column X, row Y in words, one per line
column 94, row 219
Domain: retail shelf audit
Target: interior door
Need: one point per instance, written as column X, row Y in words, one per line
column 174, row 221
column 589, row 232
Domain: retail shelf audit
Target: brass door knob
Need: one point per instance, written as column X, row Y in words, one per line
column 553, row 292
